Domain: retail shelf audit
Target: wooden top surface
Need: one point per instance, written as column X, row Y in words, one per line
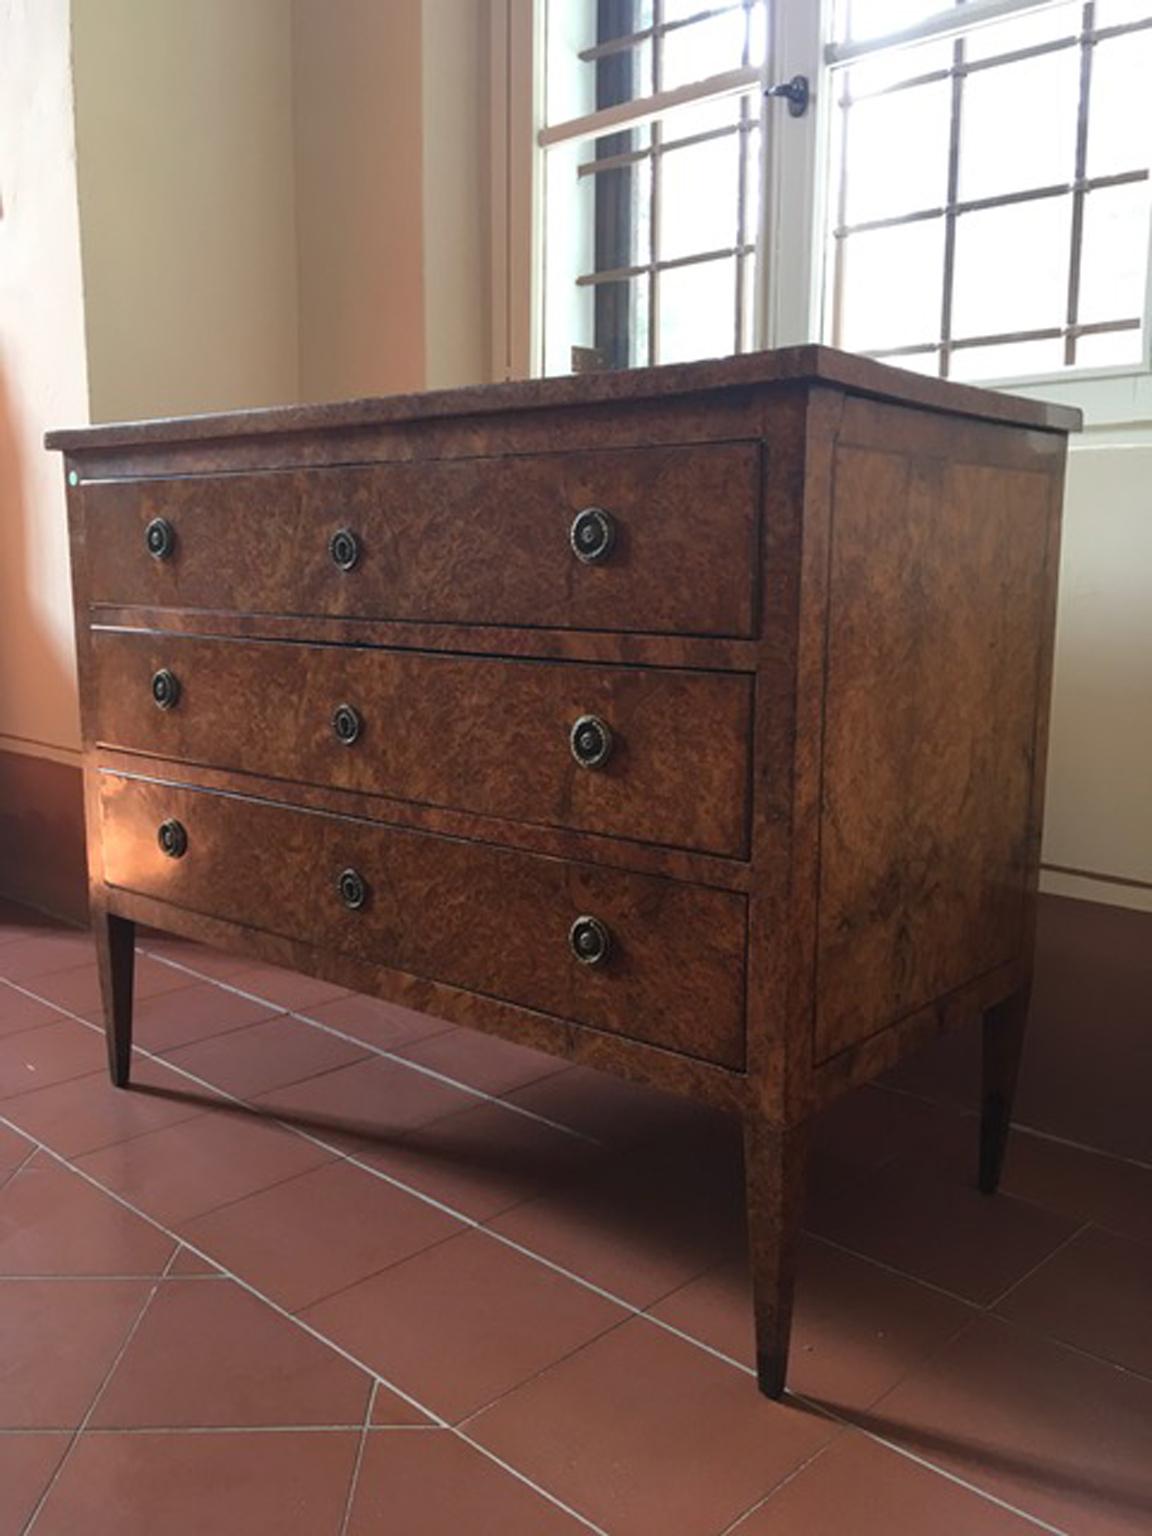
column 810, row 364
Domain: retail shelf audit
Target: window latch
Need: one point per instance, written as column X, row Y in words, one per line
column 796, row 92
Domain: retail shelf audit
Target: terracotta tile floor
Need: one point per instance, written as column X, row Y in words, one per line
column 335, row 1269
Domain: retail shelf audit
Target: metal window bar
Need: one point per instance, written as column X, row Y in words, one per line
column 658, row 30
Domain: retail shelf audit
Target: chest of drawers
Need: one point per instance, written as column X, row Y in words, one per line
column 689, row 723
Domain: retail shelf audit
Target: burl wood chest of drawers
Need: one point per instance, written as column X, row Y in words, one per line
column 689, row 723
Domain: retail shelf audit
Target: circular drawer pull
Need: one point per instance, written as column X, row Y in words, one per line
column 173, row 839
column 346, row 724
column 165, row 689
column 591, row 741
column 160, row 537
column 592, row 535
column 590, row 941
column 344, row 547
column 353, row 889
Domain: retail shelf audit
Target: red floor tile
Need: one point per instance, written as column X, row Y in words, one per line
column 607, row 1108
column 483, row 1061
column 14, row 1149
column 27, row 1463
column 262, row 1057
column 1047, row 1430
column 434, row 1484
column 483, row 1160
column 1087, row 1186
column 856, row 1486
column 87, row 1113
column 857, row 1329
column 58, row 1341
column 41, row 954
column 462, row 1322
column 935, row 1228
column 78, row 991
column 319, row 1233
column 18, row 1011
column 211, row 1354
column 178, row 1173
column 34, row 1058
column 288, row 989
column 1116, row 1273
column 642, row 1433
column 383, row 1025
column 200, row 958
column 294, row 1484
column 364, row 1106
column 188, row 1262
column 196, row 1012
column 53, row 1222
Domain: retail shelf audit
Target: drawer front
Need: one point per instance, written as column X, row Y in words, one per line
column 484, row 735
column 484, row 919
column 480, row 541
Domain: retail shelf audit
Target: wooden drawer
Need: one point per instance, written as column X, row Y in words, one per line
column 476, row 541
column 469, row 733
column 473, row 916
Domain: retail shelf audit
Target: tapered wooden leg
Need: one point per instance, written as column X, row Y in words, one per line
column 1003, row 1043
column 774, row 1181
column 116, row 957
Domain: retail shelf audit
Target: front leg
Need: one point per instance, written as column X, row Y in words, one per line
column 116, row 959
column 774, row 1165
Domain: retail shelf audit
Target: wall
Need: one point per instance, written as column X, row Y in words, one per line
column 187, row 204
column 42, row 380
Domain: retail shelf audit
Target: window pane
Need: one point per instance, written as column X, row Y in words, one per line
column 886, row 70
column 698, row 311
column 1109, row 349
column 1018, row 125
column 1114, row 253
column 622, row 202
column 1025, row 32
column 1120, row 114
column 896, row 152
column 1114, row 13
column 705, row 48
column 891, row 286
column 620, row 336
column 699, row 197
column 1012, row 268
column 1013, row 360
column 860, row 19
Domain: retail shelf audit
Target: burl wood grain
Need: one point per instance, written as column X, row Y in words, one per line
column 470, row 915
column 483, row 735
column 933, row 641
column 472, row 541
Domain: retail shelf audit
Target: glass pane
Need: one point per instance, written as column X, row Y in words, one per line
column 1012, row 268
column 705, row 48
column 917, row 362
column 1114, row 254
column 1115, row 13
column 703, row 117
column 1014, row 360
column 891, row 286
column 1120, row 106
column 1109, row 349
column 859, row 19
column 576, row 86
column 889, row 69
column 896, row 153
column 753, row 173
column 622, row 201
column 620, row 326
column 1018, row 125
column 1024, row 32
column 697, row 311
column 699, row 197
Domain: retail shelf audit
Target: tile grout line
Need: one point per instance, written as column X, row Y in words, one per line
column 438, row 1420
column 1003, row 1295
column 733, row 1526
column 100, row 1390
column 379, row 1051
column 350, row 1496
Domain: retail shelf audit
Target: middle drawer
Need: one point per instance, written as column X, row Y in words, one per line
column 653, row 754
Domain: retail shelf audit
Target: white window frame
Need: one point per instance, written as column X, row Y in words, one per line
column 789, row 292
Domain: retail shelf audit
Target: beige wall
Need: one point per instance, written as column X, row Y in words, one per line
column 42, row 374
column 187, row 204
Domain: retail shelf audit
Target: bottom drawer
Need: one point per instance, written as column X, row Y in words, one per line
column 485, row 919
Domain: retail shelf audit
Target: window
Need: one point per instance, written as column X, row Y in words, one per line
column 969, row 195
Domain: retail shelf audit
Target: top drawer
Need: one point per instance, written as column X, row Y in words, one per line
column 476, row 541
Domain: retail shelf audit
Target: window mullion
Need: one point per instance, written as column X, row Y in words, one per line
column 1078, row 196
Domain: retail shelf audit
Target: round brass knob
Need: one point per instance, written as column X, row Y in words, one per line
column 353, row 889
column 346, row 724
column 165, row 689
column 591, row 741
column 590, row 941
column 592, row 535
column 344, row 547
column 173, row 839
column 160, row 537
